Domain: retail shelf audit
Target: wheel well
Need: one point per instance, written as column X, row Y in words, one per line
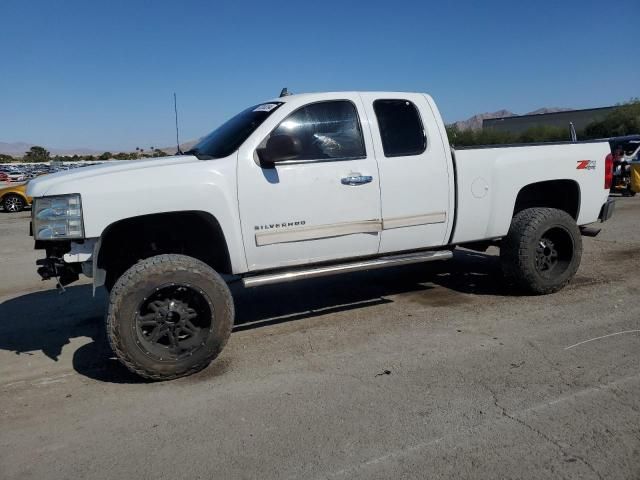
column 17, row 194
column 192, row 233
column 560, row 194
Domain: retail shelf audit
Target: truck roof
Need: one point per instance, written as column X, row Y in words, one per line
column 302, row 96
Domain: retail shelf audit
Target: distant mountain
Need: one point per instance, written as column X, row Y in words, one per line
column 184, row 146
column 475, row 122
column 18, row 149
column 14, row 149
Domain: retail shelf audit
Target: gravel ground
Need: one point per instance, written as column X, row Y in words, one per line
column 429, row 371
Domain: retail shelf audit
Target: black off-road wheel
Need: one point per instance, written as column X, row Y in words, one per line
column 169, row 316
column 13, row 203
column 542, row 251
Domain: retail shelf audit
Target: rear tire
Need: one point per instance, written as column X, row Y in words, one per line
column 13, row 203
column 542, row 251
column 169, row 316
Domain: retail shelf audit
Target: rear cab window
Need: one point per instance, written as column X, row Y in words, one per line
column 401, row 129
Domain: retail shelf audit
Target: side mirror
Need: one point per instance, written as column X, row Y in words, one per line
column 280, row 148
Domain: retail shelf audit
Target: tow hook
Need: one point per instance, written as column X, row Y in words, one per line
column 52, row 267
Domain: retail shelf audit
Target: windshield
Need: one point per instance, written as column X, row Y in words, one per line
column 228, row 137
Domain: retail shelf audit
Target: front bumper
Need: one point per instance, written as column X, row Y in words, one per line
column 606, row 212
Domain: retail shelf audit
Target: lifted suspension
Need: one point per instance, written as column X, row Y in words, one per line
column 53, row 266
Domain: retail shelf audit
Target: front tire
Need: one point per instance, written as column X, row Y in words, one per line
column 169, row 316
column 13, row 203
column 542, row 251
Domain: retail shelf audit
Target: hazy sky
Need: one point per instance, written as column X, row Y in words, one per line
column 102, row 74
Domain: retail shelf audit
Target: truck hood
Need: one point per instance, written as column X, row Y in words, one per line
column 39, row 187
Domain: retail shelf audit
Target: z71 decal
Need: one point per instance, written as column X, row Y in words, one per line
column 586, row 165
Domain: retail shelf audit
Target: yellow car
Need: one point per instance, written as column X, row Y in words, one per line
column 13, row 198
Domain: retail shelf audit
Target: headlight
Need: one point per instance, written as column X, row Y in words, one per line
column 57, row 217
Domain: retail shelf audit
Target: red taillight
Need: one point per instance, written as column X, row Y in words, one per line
column 608, row 171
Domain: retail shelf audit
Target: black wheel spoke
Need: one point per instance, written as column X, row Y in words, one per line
column 157, row 333
column 190, row 328
column 190, row 314
column 156, row 305
column 173, row 340
column 148, row 320
column 149, row 323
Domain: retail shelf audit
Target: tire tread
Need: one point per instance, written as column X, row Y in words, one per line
column 515, row 253
column 134, row 274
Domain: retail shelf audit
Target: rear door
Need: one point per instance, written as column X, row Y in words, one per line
column 415, row 181
column 322, row 205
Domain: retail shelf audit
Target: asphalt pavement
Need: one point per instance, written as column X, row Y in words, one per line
column 428, row 371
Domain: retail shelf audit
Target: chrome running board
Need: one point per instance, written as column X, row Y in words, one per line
column 382, row 262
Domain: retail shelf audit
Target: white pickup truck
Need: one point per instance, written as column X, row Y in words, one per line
column 298, row 187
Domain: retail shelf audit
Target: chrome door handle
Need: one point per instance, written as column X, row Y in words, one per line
column 357, row 179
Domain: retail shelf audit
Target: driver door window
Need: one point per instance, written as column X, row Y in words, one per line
column 324, row 131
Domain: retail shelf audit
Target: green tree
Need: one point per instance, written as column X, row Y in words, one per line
column 624, row 120
column 465, row 138
column 488, row 136
column 544, row 133
column 6, row 158
column 125, row 156
column 37, row 154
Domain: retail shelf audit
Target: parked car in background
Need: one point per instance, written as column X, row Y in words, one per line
column 14, row 198
column 628, row 146
column 4, row 177
column 17, row 177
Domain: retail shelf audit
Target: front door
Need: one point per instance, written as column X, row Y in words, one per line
column 324, row 203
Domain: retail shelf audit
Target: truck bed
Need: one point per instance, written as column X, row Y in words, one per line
column 488, row 175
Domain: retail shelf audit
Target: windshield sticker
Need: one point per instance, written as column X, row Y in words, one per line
column 265, row 107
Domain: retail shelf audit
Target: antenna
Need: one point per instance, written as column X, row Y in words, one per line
column 284, row 92
column 175, row 109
